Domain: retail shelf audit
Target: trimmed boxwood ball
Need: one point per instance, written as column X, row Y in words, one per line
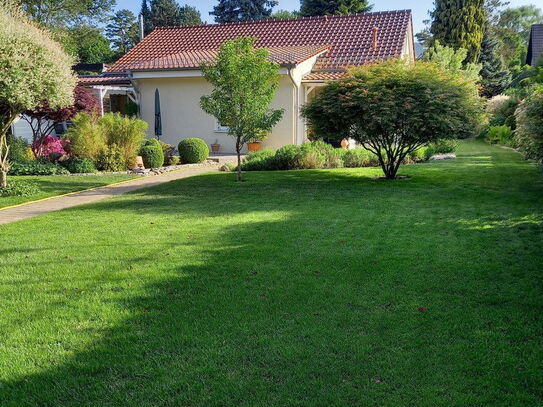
column 193, row 150
column 152, row 154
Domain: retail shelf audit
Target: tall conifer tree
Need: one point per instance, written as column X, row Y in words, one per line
column 460, row 24
column 495, row 78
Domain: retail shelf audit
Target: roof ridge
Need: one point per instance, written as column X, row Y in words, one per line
column 275, row 20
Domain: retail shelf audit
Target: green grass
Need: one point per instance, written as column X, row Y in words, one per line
column 58, row 184
column 291, row 289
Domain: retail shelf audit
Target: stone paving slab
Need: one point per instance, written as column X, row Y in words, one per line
column 31, row 210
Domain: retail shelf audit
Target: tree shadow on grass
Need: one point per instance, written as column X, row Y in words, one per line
column 304, row 295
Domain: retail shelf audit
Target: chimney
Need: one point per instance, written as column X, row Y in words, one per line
column 142, row 31
column 375, row 39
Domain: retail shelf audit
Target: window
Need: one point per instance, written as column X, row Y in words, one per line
column 221, row 129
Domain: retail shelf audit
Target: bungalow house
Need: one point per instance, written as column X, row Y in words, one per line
column 535, row 46
column 310, row 51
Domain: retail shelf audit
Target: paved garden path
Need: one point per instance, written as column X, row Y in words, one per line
column 30, row 210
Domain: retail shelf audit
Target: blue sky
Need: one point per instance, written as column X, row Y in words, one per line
column 420, row 7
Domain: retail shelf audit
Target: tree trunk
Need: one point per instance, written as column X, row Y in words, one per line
column 3, row 179
column 238, row 151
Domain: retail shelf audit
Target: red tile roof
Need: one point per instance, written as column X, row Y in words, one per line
column 349, row 38
column 193, row 59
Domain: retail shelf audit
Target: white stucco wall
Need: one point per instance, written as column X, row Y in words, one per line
column 182, row 116
column 22, row 129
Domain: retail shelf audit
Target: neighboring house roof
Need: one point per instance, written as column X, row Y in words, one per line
column 119, row 79
column 535, row 47
column 349, row 39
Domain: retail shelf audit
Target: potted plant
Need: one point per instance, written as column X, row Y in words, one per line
column 216, row 147
column 253, row 146
column 256, row 142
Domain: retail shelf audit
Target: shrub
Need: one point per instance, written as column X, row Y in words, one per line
column 80, row 165
column 126, row 133
column 359, row 157
column 419, row 155
column 500, row 135
column 174, row 160
column 312, row 160
column 529, row 135
column 288, row 157
column 502, row 111
column 262, row 160
column 111, row 159
column 193, row 151
column 316, row 150
column 86, row 136
column 19, row 150
column 37, row 167
column 50, row 147
column 152, row 154
column 440, row 147
column 17, row 188
column 313, row 155
column 168, row 151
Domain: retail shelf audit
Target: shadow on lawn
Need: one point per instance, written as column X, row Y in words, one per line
column 323, row 318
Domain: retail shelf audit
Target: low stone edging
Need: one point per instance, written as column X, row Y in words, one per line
column 149, row 171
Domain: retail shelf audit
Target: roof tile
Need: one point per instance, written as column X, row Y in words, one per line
column 348, row 38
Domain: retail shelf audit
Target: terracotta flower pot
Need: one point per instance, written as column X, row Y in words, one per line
column 215, row 148
column 139, row 162
column 254, row 146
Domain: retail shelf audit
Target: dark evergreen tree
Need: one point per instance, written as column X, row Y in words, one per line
column 147, row 20
column 190, row 16
column 460, row 24
column 229, row 11
column 165, row 13
column 122, row 31
column 329, row 7
column 495, row 78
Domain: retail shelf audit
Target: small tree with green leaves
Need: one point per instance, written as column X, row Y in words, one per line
column 34, row 68
column 394, row 108
column 452, row 60
column 245, row 82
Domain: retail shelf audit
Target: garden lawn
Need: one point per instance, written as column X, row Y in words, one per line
column 303, row 288
column 55, row 185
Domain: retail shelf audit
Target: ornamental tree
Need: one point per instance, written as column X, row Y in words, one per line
column 245, row 82
column 393, row 108
column 43, row 118
column 34, row 68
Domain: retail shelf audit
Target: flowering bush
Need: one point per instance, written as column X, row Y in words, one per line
column 50, row 147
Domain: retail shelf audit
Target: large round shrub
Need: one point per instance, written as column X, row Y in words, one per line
column 152, row 154
column 193, row 150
